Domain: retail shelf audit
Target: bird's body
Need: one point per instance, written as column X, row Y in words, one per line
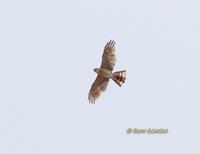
column 104, row 73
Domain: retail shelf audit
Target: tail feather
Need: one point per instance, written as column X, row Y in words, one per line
column 119, row 77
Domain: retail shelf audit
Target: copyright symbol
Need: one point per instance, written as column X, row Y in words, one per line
column 129, row 131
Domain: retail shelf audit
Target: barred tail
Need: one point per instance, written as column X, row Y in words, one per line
column 119, row 77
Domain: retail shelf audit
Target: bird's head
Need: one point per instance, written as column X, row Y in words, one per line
column 96, row 70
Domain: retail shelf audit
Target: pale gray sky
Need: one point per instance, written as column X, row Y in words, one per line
column 48, row 50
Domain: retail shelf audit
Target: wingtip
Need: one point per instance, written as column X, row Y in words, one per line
column 111, row 43
column 91, row 99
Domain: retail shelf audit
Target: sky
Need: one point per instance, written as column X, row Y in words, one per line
column 48, row 50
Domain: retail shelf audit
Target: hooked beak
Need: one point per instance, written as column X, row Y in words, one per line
column 95, row 70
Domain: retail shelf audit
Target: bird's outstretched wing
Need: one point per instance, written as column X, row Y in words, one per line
column 109, row 56
column 99, row 86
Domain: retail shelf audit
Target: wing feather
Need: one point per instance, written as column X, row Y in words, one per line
column 100, row 84
column 109, row 56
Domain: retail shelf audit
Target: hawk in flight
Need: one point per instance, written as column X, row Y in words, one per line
column 104, row 73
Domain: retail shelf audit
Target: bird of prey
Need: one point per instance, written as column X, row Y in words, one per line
column 104, row 73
